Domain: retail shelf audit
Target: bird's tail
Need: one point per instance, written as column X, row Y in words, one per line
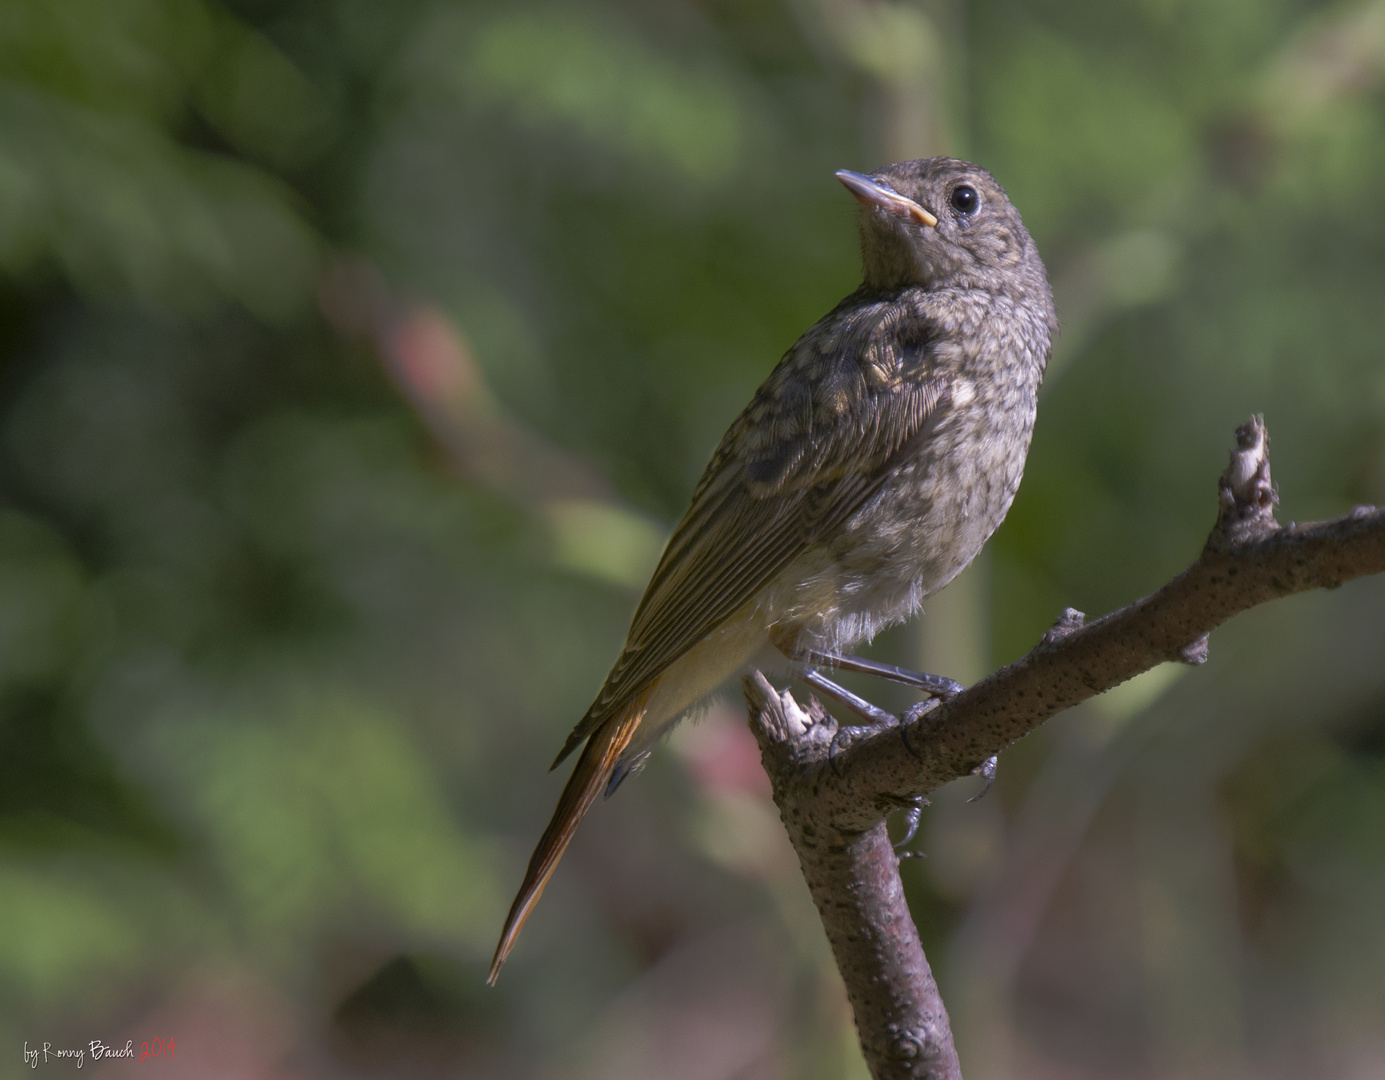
column 593, row 769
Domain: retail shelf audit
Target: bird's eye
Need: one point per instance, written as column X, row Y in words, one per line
column 965, row 200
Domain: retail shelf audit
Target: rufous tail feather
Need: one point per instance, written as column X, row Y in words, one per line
column 593, row 769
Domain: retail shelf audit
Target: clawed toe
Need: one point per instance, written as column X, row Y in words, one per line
column 986, row 770
column 913, row 814
column 941, row 687
column 847, row 732
column 919, row 709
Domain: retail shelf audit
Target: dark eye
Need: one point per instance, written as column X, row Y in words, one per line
column 965, row 200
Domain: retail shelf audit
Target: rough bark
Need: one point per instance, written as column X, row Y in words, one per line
column 835, row 810
column 853, row 876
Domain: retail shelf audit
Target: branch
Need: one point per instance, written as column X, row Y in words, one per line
column 853, row 876
column 835, row 812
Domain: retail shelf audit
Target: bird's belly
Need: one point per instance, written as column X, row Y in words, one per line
column 920, row 529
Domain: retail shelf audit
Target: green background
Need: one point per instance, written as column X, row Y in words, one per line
column 355, row 360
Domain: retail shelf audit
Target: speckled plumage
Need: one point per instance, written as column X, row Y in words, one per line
column 868, row 470
column 881, row 452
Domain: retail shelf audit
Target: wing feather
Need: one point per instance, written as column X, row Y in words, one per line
column 794, row 466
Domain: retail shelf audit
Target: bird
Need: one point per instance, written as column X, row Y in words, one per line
column 867, row 471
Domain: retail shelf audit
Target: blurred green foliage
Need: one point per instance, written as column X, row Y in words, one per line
column 355, row 358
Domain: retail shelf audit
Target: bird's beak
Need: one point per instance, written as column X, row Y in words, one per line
column 871, row 192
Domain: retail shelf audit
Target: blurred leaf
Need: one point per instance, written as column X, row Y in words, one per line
column 253, row 95
column 84, row 930
column 60, row 933
column 1081, row 139
column 119, row 208
column 95, row 183
column 892, row 41
column 42, row 601
column 327, row 811
column 134, row 57
column 605, row 541
column 559, row 69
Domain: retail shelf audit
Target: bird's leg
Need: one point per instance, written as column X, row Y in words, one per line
column 877, row 716
column 803, row 660
column 937, row 685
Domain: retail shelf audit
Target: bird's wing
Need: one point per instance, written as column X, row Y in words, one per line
column 815, row 442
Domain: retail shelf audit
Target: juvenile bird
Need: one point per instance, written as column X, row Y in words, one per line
column 880, row 454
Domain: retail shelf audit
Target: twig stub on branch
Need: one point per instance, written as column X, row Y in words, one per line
column 1246, row 495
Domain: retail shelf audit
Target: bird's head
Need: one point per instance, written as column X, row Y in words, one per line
column 940, row 222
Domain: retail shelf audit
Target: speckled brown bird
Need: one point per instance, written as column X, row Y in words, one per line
column 868, row 470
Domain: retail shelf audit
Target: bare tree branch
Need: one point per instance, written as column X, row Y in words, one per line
column 835, row 811
column 853, row 876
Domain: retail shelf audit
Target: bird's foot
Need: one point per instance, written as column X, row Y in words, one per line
column 917, row 711
column 878, row 717
column 847, row 732
column 913, row 815
column 939, row 686
column 986, row 770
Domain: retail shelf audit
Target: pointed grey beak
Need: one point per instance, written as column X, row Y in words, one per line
column 871, row 192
